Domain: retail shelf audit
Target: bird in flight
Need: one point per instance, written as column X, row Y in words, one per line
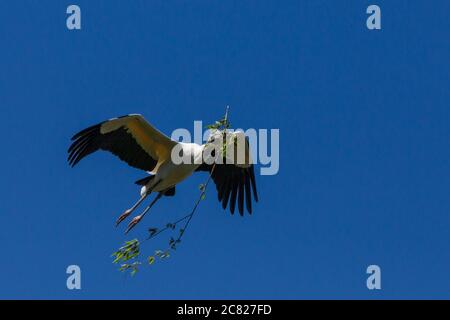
column 140, row 145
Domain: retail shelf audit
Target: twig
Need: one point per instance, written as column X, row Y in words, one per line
column 202, row 194
column 196, row 205
column 131, row 248
column 166, row 227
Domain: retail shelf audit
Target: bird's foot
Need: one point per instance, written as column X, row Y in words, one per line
column 123, row 216
column 133, row 223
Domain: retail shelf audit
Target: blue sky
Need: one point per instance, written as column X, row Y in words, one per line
column 364, row 146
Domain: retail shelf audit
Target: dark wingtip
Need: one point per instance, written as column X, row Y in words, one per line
column 241, row 195
column 253, row 182
column 81, row 144
column 86, row 131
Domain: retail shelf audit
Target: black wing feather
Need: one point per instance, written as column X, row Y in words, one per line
column 241, row 194
column 119, row 142
column 248, row 195
column 233, row 183
column 234, row 191
column 227, row 191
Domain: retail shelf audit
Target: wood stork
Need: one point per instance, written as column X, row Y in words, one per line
column 142, row 146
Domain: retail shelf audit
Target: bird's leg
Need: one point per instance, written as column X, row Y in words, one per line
column 138, row 218
column 124, row 215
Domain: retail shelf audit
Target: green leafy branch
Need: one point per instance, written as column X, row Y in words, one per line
column 221, row 125
column 129, row 253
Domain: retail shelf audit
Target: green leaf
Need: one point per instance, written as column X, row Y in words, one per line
column 151, row 260
column 165, row 255
column 172, row 243
column 134, row 267
column 170, row 226
column 129, row 251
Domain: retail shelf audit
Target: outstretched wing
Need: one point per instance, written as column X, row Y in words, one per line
column 234, row 181
column 129, row 137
